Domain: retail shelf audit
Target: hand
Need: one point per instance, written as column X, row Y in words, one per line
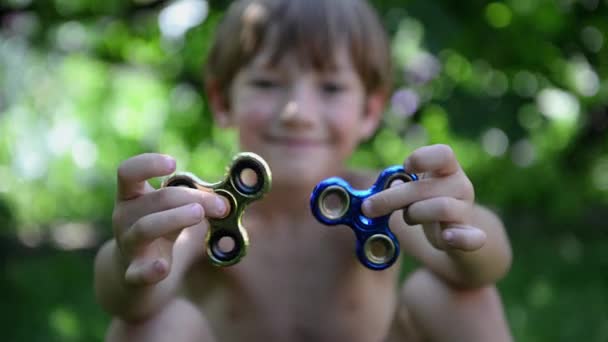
column 146, row 222
column 442, row 200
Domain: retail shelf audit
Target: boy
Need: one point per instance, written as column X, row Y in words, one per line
column 304, row 81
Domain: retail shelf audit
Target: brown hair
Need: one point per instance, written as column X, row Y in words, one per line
column 310, row 28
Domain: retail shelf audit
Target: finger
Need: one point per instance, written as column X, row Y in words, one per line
column 464, row 238
column 215, row 206
column 438, row 209
column 432, row 231
column 146, row 272
column 403, row 195
column 156, row 225
column 435, row 159
column 133, row 173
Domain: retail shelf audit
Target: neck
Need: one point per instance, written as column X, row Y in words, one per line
column 285, row 203
column 288, row 202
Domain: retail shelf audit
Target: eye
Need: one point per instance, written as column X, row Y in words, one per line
column 264, row 83
column 332, row 88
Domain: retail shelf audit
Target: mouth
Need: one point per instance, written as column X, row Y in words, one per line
column 296, row 141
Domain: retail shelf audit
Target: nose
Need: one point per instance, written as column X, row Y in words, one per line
column 301, row 108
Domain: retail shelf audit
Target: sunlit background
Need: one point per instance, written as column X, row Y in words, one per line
column 518, row 88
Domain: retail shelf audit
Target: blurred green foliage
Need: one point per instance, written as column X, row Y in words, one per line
column 518, row 88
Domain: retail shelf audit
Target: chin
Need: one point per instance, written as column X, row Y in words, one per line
column 297, row 168
column 298, row 173
column 295, row 175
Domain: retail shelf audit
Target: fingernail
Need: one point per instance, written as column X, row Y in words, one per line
column 170, row 162
column 366, row 207
column 197, row 210
column 448, row 236
column 220, row 206
column 396, row 182
column 160, row 266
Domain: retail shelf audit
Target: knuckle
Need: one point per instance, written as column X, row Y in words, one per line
column 172, row 216
column 445, row 209
column 424, row 188
column 447, row 154
column 139, row 230
column 200, row 214
column 122, row 171
column 118, row 221
column 379, row 203
column 445, row 149
column 165, row 195
column 468, row 189
column 205, row 199
column 408, row 218
column 117, row 217
column 415, row 158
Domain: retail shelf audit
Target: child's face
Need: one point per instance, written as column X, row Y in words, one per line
column 303, row 122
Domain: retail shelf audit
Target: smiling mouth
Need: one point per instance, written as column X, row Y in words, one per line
column 296, row 141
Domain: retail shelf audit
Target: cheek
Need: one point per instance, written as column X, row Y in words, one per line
column 249, row 123
column 345, row 123
column 252, row 110
column 251, row 120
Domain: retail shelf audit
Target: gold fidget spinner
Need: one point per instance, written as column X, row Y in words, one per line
column 247, row 179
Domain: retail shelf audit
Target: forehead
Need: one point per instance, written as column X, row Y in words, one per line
column 268, row 57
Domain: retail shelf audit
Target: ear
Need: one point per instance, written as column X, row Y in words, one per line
column 373, row 110
column 219, row 103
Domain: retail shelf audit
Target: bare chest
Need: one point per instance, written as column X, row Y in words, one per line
column 298, row 287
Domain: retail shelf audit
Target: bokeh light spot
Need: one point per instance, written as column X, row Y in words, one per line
column 457, row 66
column 65, row 323
column 525, row 83
column 570, row 249
column 495, row 142
column 529, row 117
column 177, row 18
column 71, row 36
column 599, row 174
column 592, row 38
column 405, row 102
column 540, row 294
column 558, row 105
column 73, row 235
column 84, row 153
column 582, row 77
column 523, row 153
column 498, row 15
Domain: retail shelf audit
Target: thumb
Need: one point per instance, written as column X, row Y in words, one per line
column 465, row 238
column 143, row 272
column 152, row 265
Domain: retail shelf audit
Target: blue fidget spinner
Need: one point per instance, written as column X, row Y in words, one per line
column 334, row 201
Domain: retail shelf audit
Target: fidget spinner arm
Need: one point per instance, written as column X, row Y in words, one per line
column 335, row 202
column 247, row 179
